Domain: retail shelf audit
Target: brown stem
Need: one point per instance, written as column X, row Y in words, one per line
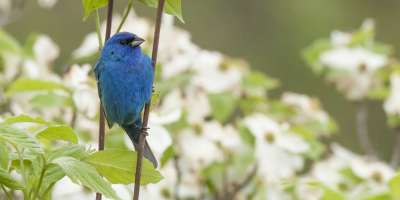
column 142, row 136
column 102, row 118
column 362, row 129
column 395, row 161
column 73, row 118
column 236, row 188
column 178, row 177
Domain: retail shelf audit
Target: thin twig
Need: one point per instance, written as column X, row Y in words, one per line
column 73, row 117
column 35, row 195
column 9, row 196
column 236, row 188
column 126, row 13
column 102, row 118
column 178, row 177
column 98, row 31
column 395, row 161
column 22, row 166
column 142, row 136
column 362, row 129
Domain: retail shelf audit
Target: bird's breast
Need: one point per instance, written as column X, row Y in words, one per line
column 122, row 93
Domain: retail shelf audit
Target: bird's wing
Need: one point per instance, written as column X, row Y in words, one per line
column 98, row 74
column 149, row 74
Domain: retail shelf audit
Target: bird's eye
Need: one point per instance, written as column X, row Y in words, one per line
column 124, row 42
column 112, row 52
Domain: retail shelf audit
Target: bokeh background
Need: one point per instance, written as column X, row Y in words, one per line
column 268, row 34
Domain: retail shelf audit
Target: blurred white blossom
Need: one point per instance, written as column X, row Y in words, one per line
column 308, row 107
column 89, row 46
column 354, row 60
column 277, row 150
column 47, row 3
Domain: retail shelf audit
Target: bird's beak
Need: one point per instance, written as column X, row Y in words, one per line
column 137, row 41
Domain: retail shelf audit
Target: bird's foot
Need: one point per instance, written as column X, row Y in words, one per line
column 145, row 131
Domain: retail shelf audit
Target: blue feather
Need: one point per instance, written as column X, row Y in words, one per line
column 125, row 78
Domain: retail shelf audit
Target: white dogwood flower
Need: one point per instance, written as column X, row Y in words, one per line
column 45, row 50
column 226, row 136
column 277, row 151
column 353, row 59
column 309, row 108
column 89, row 46
column 212, row 76
column 196, row 150
column 47, row 3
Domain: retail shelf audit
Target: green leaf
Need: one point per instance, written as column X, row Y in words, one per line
column 91, row 5
column 25, row 119
column 7, row 180
column 29, row 44
column 330, row 194
column 75, row 151
column 256, row 81
column 246, row 135
column 222, row 105
column 118, row 166
column 312, row 53
column 34, row 85
column 381, row 196
column 84, row 174
column 364, row 36
column 173, row 7
column 214, row 173
column 163, row 87
column 60, row 132
column 19, row 138
column 379, row 93
column 51, row 100
column 8, row 43
column 393, row 120
column 394, row 185
column 4, row 155
column 53, row 174
column 167, row 155
column 115, row 139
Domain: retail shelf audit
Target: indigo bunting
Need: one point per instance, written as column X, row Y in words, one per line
column 124, row 78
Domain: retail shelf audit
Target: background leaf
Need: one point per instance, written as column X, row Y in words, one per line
column 75, row 151
column 7, row 180
column 167, row 155
column 61, row 132
column 51, row 100
column 173, row 7
column 394, row 185
column 8, row 43
column 222, row 105
column 19, row 138
column 31, row 85
column 4, row 155
column 118, row 166
column 86, row 175
column 24, row 119
column 53, row 174
column 91, row 5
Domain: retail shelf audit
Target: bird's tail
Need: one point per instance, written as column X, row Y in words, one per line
column 133, row 132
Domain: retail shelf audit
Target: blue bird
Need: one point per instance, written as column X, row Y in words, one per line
column 125, row 78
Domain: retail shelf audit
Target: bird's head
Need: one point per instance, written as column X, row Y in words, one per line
column 121, row 44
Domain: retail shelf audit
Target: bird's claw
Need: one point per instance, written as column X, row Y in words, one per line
column 145, row 131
